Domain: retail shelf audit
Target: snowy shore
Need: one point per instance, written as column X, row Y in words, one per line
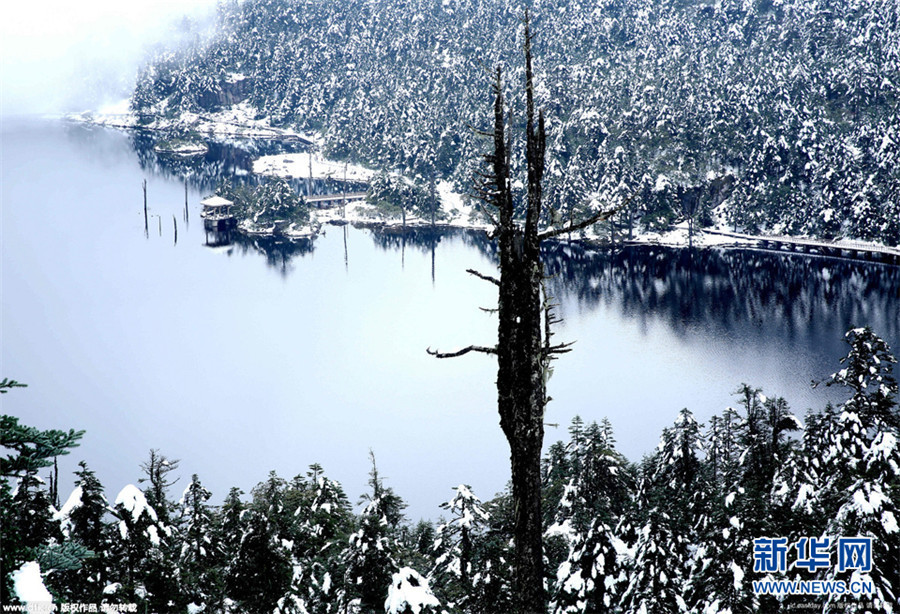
column 457, row 210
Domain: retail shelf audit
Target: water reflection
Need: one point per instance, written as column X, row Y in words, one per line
column 756, row 293
column 279, row 252
column 749, row 293
column 745, row 293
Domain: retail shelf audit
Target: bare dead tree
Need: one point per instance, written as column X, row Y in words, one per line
column 523, row 348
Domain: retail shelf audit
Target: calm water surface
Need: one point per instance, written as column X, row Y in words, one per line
column 266, row 355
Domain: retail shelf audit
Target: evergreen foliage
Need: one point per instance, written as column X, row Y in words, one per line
column 672, row 534
column 770, row 116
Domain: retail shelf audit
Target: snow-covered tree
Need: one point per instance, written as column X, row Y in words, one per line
column 136, row 542
column 200, row 556
column 370, row 555
column 83, row 521
column 409, row 593
column 26, row 514
column 323, row 523
column 456, row 546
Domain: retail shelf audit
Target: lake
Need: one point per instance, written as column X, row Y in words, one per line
column 267, row 355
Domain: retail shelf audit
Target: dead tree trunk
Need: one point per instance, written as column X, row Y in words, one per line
column 523, row 348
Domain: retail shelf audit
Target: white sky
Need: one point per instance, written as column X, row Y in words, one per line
column 53, row 54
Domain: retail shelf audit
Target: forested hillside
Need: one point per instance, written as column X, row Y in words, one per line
column 786, row 110
column 675, row 533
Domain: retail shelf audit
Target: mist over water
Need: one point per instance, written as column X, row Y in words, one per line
column 60, row 56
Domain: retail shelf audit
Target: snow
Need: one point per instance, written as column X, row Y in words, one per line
column 409, row 588
column 889, row 522
column 153, row 534
column 738, row 576
column 298, row 165
column 28, row 585
column 132, row 499
column 239, row 121
column 868, row 505
column 71, row 504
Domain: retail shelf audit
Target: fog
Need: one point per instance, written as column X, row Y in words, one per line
column 61, row 56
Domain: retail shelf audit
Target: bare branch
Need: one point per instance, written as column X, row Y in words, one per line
column 482, row 208
column 487, row 310
column 597, row 217
column 493, row 280
column 560, row 348
column 466, row 350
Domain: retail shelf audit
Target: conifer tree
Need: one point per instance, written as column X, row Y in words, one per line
column 671, row 497
column 370, row 555
column 261, row 573
column 200, row 556
column 593, row 501
column 457, row 547
column 136, row 541
column 26, row 525
column 82, row 519
column 230, row 526
column 860, row 449
column 323, row 524
column 161, row 575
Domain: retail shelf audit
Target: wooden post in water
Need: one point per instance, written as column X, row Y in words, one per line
column 434, row 200
column 346, row 260
column 159, row 221
column 344, row 193
column 310, row 172
column 146, row 221
column 175, row 224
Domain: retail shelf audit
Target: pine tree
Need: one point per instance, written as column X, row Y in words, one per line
column 371, row 553
column 456, row 545
column 861, row 446
column 230, row 527
column 26, row 525
column 82, row 519
column 323, row 522
column 136, row 541
column 843, row 483
column 673, row 492
column 261, row 573
column 161, row 574
column 200, row 556
column 594, row 500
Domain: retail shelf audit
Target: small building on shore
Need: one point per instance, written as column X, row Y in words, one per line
column 217, row 213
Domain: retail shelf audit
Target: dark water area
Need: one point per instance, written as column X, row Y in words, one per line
column 240, row 355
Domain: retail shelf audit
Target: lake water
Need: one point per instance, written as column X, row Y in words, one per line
column 265, row 355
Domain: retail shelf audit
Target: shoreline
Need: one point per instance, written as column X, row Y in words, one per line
column 457, row 212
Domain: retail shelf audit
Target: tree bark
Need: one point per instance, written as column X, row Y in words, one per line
column 523, row 348
column 521, row 392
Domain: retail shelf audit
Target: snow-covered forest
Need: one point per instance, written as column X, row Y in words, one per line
column 672, row 533
column 773, row 116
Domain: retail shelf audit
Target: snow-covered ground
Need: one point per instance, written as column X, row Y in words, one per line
column 458, row 209
column 306, row 164
column 238, row 121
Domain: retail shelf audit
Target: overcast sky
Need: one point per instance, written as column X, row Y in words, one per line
column 64, row 55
